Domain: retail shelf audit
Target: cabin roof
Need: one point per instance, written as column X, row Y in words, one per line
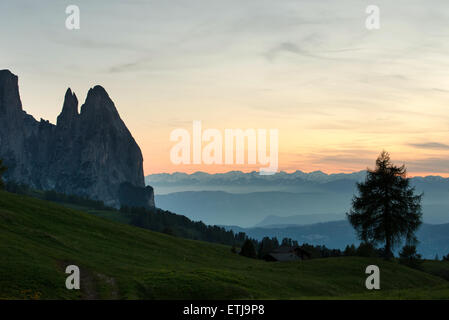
column 285, row 253
column 284, row 256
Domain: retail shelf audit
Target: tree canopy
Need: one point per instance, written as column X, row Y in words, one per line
column 386, row 209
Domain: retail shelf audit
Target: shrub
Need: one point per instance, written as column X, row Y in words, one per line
column 366, row 249
column 409, row 256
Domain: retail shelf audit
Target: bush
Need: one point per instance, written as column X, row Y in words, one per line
column 409, row 256
column 169, row 231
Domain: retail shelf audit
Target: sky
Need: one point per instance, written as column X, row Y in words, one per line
column 337, row 92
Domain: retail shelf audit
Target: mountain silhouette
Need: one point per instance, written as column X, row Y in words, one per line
column 89, row 153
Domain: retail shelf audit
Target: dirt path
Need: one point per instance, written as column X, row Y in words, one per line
column 90, row 282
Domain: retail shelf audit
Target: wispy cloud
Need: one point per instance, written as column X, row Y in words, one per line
column 440, row 165
column 430, row 145
column 128, row 67
column 290, row 47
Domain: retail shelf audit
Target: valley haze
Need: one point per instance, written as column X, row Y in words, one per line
column 248, row 199
column 308, row 207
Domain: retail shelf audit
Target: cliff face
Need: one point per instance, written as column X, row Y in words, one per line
column 88, row 153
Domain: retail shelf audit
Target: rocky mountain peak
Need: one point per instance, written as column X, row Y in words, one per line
column 91, row 153
column 69, row 109
column 9, row 92
column 98, row 101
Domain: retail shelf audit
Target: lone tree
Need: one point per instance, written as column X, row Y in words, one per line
column 386, row 208
column 2, row 170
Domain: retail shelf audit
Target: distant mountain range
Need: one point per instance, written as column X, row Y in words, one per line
column 304, row 219
column 434, row 239
column 243, row 182
column 249, row 199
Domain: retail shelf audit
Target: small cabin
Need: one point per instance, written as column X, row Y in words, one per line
column 284, row 254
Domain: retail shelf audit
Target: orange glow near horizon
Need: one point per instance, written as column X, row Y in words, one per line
column 213, row 169
column 328, row 162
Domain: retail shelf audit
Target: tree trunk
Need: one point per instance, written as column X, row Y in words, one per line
column 388, row 253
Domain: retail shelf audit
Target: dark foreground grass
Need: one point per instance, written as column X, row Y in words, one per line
column 437, row 268
column 38, row 239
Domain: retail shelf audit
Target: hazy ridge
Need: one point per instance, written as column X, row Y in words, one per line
column 246, row 199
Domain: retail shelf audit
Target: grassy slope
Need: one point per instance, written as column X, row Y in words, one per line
column 438, row 268
column 38, row 239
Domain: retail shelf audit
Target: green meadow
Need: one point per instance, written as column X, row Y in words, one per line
column 38, row 239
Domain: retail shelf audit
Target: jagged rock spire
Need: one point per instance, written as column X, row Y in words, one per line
column 69, row 109
column 9, row 92
column 98, row 101
column 91, row 153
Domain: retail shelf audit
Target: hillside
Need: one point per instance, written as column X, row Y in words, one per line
column 38, row 239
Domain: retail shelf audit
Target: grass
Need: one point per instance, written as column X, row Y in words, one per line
column 38, row 239
column 437, row 268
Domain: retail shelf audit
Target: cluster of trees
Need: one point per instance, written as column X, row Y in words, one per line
column 159, row 220
column 54, row 196
column 407, row 256
column 255, row 249
column 51, row 195
column 259, row 249
column 164, row 221
column 365, row 249
column 321, row 251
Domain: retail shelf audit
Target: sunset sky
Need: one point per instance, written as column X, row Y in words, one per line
column 338, row 93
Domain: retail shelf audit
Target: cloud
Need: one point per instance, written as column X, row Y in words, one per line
column 430, row 145
column 437, row 165
column 355, row 157
column 127, row 67
column 292, row 48
column 348, row 160
column 283, row 47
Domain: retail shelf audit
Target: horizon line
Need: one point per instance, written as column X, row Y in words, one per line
column 417, row 175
